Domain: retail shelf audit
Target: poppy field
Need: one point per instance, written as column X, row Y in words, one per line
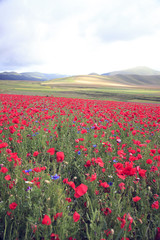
column 73, row 169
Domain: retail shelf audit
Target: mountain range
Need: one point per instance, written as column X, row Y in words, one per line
column 138, row 76
column 29, row 76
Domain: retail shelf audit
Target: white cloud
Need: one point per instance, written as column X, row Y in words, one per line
column 83, row 36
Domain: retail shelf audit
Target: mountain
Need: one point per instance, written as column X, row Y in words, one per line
column 135, row 71
column 29, row 76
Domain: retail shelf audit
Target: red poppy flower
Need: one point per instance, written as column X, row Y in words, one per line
column 76, row 216
column 51, row 151
column 8, row 177
column 46, row 220
column 60, row 156
column 13, row 205
column 136, row 199
column 80, row 190
column 3, row 145
column 9, row 213
column 149, row 161
column 122, row 185
column 4, row 170
column 155, row 205
column 54, row 236
column 68, row 199
column 106, row 211
column 35, row 153
column 57, row 215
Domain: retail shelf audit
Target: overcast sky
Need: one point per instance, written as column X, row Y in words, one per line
column 79, row 36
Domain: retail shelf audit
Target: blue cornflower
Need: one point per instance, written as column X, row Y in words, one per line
column 94, row 145
column 27, row 171
column 110, row 183
column 28, row 188
column 55, row 177
column 115, row 160
column 79, row 152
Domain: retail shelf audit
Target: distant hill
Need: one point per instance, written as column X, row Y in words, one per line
column 29, row 76
column 120, row 80
column 135, row 71
column 93, row 74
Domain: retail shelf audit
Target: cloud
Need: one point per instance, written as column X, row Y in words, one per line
column 65, row 36
column 123, row 20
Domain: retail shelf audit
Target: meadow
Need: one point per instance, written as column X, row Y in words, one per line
column 68, row 88
column 75, row 169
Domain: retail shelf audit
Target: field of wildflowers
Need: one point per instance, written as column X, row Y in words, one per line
column 73, row 169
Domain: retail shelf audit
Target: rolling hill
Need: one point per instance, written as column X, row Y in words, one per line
column 119, row 80
column 141, row 70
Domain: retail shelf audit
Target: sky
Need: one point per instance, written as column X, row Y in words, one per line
column 79, row 36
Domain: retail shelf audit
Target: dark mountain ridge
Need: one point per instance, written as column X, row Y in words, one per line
column 29, row 76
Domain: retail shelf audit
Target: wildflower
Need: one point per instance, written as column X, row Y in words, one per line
column 28, row 188
column 93, row 177
column 55, row 177
column 136, row 199
column 9, row 213
column 103, row 184
column 106, row 211
column 3, row 145
column 13, row 205
column 57, row 215
column 68, row 199
column 80, row 190
column 8, row 177
column 46, row 220
column 35, row 153
column 4, row 170
column 51, row 151
column 122, row 220
column 60, row 156
column 54, row 236
column 110, row 183
column 149, row 161
column 155, row 205
column 76, row 216
column 34, row 228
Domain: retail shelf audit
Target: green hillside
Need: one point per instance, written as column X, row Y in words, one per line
column 152, row 81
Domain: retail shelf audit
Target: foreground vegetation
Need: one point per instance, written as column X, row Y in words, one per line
column 78, row 169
